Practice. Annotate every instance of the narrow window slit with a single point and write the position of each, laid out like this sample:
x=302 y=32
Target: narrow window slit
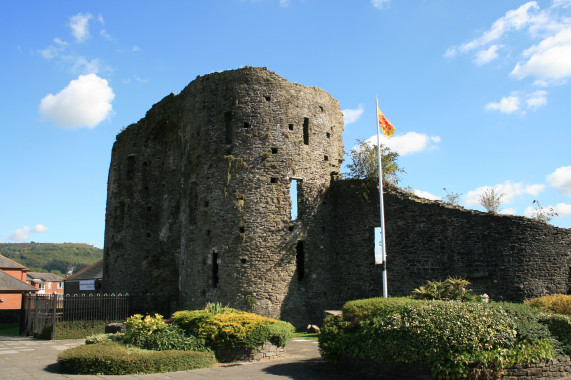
x=306 y=131
x=228 y=127
x=215 y=270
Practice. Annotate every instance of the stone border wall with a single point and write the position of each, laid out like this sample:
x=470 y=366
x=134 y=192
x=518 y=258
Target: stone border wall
x=370 y=369
x=264 y=352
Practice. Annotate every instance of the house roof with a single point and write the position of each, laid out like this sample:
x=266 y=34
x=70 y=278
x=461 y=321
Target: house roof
x=45 y=276
x=8 y=282
x=6 y=263
x=92 y=272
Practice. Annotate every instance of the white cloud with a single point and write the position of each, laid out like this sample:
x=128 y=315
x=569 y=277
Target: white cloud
x=411 y=142
x=508 y=189
x=486 y=55
x=21 y=234
x=507 y=211
x=550 y=60
x=53 y=51
x=79 y=25
x=517 y=100
x=560 y=179
x=514 y=19
x=426 y=195
x=507 y=104
x=562 y=209
x=380 y=4
x=537 y=99
x=80 y=65
x=562 y=3
x=284 y=3
x=352 y=115
x=85 y=102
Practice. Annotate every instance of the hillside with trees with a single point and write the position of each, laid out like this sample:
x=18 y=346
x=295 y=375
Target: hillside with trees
x=54 y=258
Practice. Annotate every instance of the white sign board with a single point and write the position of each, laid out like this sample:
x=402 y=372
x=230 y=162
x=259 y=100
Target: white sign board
x=87 y=285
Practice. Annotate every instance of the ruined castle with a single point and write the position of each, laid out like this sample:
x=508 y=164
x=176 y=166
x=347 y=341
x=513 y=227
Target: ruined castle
x=199 y=204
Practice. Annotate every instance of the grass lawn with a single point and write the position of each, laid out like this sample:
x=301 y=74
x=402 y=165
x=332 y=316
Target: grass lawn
x=9 y=329
x=304 y=335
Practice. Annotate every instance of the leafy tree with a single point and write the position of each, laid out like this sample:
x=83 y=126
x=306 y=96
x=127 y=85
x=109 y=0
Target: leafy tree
x=451 y=198
x=364 y=163
x=543 y=215
x=491 y=200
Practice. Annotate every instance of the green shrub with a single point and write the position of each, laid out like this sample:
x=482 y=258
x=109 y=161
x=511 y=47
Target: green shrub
x=451 y=289
x=558 y=304
x=111 y=358
x=100 y=338
x=171 y=337
x=559 y=327
x=459 y=339
x=356 y=311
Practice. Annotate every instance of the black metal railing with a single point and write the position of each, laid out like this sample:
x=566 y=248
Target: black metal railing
x=42 y=310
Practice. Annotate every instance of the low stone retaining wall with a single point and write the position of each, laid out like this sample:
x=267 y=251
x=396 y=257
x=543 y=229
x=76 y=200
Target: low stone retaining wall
x=553 y=369
x=364 y=368
x=265 y=351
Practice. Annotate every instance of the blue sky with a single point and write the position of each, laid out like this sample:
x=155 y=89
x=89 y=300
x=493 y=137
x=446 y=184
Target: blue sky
x=478 y=91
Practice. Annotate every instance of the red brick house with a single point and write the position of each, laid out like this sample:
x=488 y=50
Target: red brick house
x=46 y=283
x=12 y=286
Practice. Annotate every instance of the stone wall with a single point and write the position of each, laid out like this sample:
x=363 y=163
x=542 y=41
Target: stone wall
x=199 y=205
x=507 y=257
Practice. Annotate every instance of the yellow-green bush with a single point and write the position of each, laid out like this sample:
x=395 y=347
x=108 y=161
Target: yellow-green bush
x=233 y=329
x=557 y=304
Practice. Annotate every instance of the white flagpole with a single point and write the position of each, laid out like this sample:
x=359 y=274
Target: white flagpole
x=383 y=247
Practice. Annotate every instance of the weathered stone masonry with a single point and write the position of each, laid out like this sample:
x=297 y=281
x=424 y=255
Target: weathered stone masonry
x=199 y=204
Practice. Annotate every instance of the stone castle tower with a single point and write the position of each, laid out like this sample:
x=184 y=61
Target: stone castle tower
x=199 y=193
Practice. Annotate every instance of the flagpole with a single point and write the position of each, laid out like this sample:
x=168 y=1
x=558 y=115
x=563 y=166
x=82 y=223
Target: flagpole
x=381 y=202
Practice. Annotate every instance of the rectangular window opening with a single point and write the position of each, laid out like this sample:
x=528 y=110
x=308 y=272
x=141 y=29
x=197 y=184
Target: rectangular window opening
x=300 y=260
x=290 y=126
x=215 y=270
x=294 y=186
x=306 y=130
x=273 y=180
x=228 y=127
x=246 y=125
x=274 y=150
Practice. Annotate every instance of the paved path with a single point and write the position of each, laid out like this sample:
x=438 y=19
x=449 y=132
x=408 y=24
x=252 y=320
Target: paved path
x=29 y=358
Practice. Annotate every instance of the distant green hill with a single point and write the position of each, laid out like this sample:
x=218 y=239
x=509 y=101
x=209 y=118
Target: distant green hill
x=48 y=257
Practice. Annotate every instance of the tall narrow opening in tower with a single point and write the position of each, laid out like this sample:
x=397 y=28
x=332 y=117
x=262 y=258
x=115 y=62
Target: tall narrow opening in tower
x=214 y=269
x=228 y=127
x=306 y=130
x=294 y=197
x=300 y=260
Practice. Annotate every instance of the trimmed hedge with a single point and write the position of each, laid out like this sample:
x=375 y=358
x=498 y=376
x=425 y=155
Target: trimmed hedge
x=458 y=338
x=73 y=330
x=112 y=358
x=230 y=328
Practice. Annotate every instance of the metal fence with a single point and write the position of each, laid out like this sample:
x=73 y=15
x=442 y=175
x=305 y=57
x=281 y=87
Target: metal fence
x=42 y=310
